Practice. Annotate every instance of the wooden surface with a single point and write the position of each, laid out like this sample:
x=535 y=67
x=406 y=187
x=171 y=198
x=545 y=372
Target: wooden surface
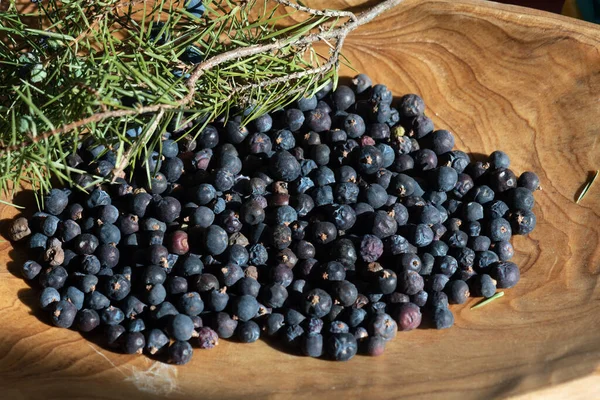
x=547 y=5
x=500 y=77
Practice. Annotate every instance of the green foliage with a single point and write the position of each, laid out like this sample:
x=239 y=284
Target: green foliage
x=86 y=71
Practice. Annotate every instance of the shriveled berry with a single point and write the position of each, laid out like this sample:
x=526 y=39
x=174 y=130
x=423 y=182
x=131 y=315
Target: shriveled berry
x=407 y=316
x=19 y=229
x=410 y=282
x=207 y=338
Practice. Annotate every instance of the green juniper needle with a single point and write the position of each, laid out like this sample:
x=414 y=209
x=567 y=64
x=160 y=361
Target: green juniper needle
x=487 y=301
x=587 y=187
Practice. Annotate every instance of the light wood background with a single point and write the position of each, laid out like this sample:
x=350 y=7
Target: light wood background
x=500 y=77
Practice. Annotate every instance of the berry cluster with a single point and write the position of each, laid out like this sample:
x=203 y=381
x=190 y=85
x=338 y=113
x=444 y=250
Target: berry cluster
x=329 y=225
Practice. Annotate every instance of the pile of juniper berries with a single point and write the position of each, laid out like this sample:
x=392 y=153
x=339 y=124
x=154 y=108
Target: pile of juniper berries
x=329 y=225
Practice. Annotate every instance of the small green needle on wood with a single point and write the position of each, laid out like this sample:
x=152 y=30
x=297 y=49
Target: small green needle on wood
x=487 y=301
x=587 y=187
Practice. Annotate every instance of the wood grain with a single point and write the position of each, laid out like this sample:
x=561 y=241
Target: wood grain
x=520 y=80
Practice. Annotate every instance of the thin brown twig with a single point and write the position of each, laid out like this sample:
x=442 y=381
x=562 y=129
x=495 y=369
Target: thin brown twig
x=199 y=70
x=325 y=13
x=297 y=75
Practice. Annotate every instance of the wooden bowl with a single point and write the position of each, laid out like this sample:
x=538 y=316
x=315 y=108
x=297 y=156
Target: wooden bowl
x=499 y=77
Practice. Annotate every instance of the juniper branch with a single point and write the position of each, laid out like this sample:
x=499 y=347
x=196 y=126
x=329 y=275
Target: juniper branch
x=232 y=55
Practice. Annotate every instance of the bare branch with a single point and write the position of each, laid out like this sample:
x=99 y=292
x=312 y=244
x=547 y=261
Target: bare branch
x=326 y=13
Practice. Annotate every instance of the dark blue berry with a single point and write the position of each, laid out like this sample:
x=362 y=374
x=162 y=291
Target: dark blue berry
x=283 y=140
x=420 y=235
x=117 y=287
x=53 y=277
x=410 y=282
x=74 y=296
x=499 y=229
x=181 y=327
x=346 y=193
x=479 y=243
x=317 y=121
x=38 y=241
x=215 y=240
x=343 y=217
x=87 y=320
x=156 y=341
x=97 y=198
x=443 y=318
x=502 y=180
x=410 y=106
x=384 y=326
x=499 y=159
x=361 y=83
x=495 y=209
x=370 y=160
x=505 y=273
x=180 y=352
x=442 y=141
x=375 y=195
x=482 y=194
x=522 y=221
x=139 y=203
x=342 y=98
x=30 y=269
x=354 y=125
x=112 y=316
x=383 y=225
x=520 y=198
x=444 y=179
x=312 y=345
x=294 y=119
x=457 y=291
x=248 y=332
x=176 y=285
x=483 y=285
x=49 y=296
x=341 y=346
x=96 y=301
x=380 y=94
x=224 y=325
x=284 y=166
x=317 y=303
x=230 y=274
x=56 y=201
x=63 y=313
x=163 y=310
x=473 y=211
x=108 y=233
x=529 y=180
